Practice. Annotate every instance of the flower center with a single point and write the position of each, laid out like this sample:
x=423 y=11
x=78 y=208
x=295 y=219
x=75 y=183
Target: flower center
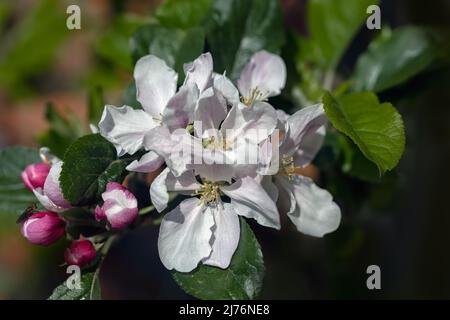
x=287 y=166
x=255 y=94
x=213 y=143
x=209 y=193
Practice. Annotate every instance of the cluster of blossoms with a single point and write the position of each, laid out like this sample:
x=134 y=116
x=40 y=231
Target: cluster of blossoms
x=46 y=227
x=223 y=146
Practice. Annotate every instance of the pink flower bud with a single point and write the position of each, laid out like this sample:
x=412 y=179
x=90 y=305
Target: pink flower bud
x=34 y=175
x=119 y=207
x=43 y=228
x=52 y=189
x=80 y=253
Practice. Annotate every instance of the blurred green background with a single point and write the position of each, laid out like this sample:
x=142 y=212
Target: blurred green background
x=400 y=222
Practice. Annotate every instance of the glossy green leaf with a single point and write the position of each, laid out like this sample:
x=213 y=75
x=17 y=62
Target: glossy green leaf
x=377 y=129
x=89 y=164
x=14 y=197
x=175 y=46
x=332 y=25
x=89 y=289
x=182 y=14
x=237 y=29
x=393 y=60
x=242 y=280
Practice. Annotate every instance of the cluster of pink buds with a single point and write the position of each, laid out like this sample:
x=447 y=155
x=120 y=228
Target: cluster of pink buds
x=46 y=227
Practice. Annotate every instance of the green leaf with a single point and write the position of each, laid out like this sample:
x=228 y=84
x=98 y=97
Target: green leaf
x=62 y=132
x=14 y=197
x=90 y=289
x=242 y=280
x=237 y=29
x=182 y=14
x=332 y=25
x=389 y=62
x=377 y=129
x=89 y=164
x=175 y=46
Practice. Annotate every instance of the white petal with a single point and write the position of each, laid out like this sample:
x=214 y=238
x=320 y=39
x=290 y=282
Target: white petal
x=316 y=214
x=226 y=89
x=225 y=238
x=265 y=72
x=302 y=125
x=249 y=199
x=311 y=144
x=165 y=182
x=209 y=113
x=180 y=109
x=185 y=235
x=149 y=162
x=156 y=83
x=125 y=127
x=254 y=123
x=200 y=71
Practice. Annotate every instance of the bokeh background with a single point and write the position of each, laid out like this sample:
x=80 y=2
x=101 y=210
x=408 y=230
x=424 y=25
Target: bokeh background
x=403 y=224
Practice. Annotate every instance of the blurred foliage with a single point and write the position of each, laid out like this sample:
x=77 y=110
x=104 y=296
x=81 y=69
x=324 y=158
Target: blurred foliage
x=30 y=45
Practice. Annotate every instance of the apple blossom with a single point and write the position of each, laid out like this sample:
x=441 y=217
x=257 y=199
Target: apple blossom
x=80 y=252
x=43 y=228
x=34 y=175
x=119 y=207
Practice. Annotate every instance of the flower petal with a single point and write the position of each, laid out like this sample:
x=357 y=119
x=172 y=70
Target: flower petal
x=199 y=71
x=226 y=89
x=125 y=127
x=149 y=162
x=185 y=235
x=46 y=202
x=120 y=205
x=249 y=199
x=265 y=72
x=209 y=113
x=301 y=125
x=226 y=233
x=156 y=83
x=52 y=188
x=254 y=123
x=165 y=182
x=180 y=109
x=315 y=214
x=311 y=143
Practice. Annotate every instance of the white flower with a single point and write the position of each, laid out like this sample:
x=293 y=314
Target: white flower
x=311 y=209
x=264 y=76
x=206 y=229
x=156 y=86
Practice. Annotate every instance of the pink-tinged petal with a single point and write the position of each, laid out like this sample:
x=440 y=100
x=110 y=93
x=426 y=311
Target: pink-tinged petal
x=180 y=108
x=199 y=71
x=185 y=235
x=100 y=214
x=302 y=125
x=265 y=72
x=120 y=205
x=315 y=213
x=166 y=181
x=156 y=83
x=46 y=202
x=226 y=89
x=226 y=233
x=43 y=228
x=52 y=188
x=125 y=127
x=80 y=253
x=254 y=123
x=250 y=200
x=34 y=175
x=209 y=113
x=149 y=162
